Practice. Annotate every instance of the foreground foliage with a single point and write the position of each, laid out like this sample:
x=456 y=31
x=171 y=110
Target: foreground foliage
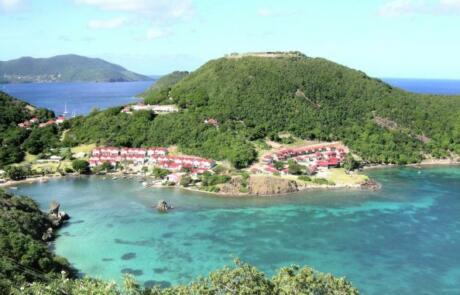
x=242 y=279
x=23 y=256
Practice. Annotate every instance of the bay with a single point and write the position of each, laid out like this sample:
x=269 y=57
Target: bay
x=80 y=98
x=403 y=239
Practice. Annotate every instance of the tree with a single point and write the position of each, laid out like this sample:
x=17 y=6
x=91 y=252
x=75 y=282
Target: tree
x=350 y=163
x=185 y=181
x=295 y=168
x=278 y=165
x=81 y=166
x=17 y=172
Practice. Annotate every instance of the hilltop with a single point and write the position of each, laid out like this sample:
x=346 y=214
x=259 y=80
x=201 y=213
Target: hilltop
x=64 y=68
x=252 y=99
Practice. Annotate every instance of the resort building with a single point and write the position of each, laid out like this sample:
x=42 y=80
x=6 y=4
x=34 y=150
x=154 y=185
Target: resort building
x=312 y=157
x=152 y=156
x=157 y=109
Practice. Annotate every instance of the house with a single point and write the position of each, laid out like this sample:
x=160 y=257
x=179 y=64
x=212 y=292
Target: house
x=60 y=120
x=212 y=122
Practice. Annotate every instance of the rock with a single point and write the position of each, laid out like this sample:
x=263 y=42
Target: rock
x=371 y=185
x=64 y=216
x=163 y=206
x=54 y=207
x=268 y=185
x=48 y=235
x=233 y=187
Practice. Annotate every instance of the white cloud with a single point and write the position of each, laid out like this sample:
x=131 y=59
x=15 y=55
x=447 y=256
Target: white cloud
x=264 y=12
x=107 y=24
x=9 y=5
x=155 y=33
x=155 y=9
x=396 y=8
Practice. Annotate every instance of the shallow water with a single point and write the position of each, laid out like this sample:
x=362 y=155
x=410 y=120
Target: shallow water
x=404 y=239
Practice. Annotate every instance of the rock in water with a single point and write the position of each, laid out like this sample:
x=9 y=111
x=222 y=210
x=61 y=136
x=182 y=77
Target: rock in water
x=54 y=207
x=163 y=206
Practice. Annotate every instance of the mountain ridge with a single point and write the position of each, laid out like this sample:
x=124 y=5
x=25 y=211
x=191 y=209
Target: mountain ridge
x=64 y=68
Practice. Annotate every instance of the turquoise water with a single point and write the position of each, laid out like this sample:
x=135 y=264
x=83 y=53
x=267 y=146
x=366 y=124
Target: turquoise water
x=404 y=239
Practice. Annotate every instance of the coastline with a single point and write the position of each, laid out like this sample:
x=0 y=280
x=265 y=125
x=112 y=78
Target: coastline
x=301 y=188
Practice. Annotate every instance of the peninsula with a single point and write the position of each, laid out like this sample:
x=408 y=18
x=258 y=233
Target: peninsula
x=64 y=68
x=268 y=123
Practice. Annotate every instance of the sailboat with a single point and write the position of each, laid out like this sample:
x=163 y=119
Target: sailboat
x=65 y=111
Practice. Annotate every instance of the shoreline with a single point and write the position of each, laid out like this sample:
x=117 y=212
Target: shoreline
x=301 y=188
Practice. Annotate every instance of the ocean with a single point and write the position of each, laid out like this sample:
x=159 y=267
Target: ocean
x=80 y=98
x=426 y=86
x=403 y=239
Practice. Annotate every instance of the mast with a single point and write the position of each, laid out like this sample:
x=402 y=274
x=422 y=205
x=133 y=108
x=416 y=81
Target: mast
x=65 y=110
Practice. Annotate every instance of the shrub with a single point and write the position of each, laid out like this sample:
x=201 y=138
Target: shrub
x=81 y=166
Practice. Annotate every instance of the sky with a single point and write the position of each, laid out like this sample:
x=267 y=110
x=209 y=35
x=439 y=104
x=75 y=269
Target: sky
x=384 y=38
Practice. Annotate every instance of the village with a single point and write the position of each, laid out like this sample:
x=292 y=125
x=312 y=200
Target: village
x=313 y=157
x=27 y=124
x=152 y=156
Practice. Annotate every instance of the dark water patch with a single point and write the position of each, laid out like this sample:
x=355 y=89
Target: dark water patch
x=167 y=235
x=187 y=244
x=161 y=284
x=128 y=256
x=109 y=225
x=160 y=270
x=134 y=272
x=132 y=243
x=107 y=259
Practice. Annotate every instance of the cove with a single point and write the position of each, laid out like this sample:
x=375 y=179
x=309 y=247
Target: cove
x=403 y=239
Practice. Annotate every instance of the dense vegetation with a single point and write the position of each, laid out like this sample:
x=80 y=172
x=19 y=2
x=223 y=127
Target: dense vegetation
x=14 y=141
x=159 y=91
x=23 y=256
x=28 y=267
x=64 y=68
x=253 y=98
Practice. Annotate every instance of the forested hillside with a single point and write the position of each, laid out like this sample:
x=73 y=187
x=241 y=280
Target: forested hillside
x=159 y=91
x=14 y=140
x=255 y=97
x=64 y=68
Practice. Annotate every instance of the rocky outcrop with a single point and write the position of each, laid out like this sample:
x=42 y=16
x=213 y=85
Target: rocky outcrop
x=233 y=187
x=56 y=218
x=163 y=206
x=268 y=185
x=371 y=185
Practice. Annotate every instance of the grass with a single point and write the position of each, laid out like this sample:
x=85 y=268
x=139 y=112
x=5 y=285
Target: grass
x=340 y=176
x=85 y=148
x=29 y=158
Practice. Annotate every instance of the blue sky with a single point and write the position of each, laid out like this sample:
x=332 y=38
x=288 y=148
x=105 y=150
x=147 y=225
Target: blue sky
x=384 y=38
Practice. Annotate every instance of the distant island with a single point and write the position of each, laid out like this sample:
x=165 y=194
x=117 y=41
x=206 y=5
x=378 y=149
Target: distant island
x=64 y=68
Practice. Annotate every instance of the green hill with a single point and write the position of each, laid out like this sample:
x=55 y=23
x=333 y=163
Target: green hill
x=14 y=140
x=64 y=68
x=255 y=96
x=159 y=91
